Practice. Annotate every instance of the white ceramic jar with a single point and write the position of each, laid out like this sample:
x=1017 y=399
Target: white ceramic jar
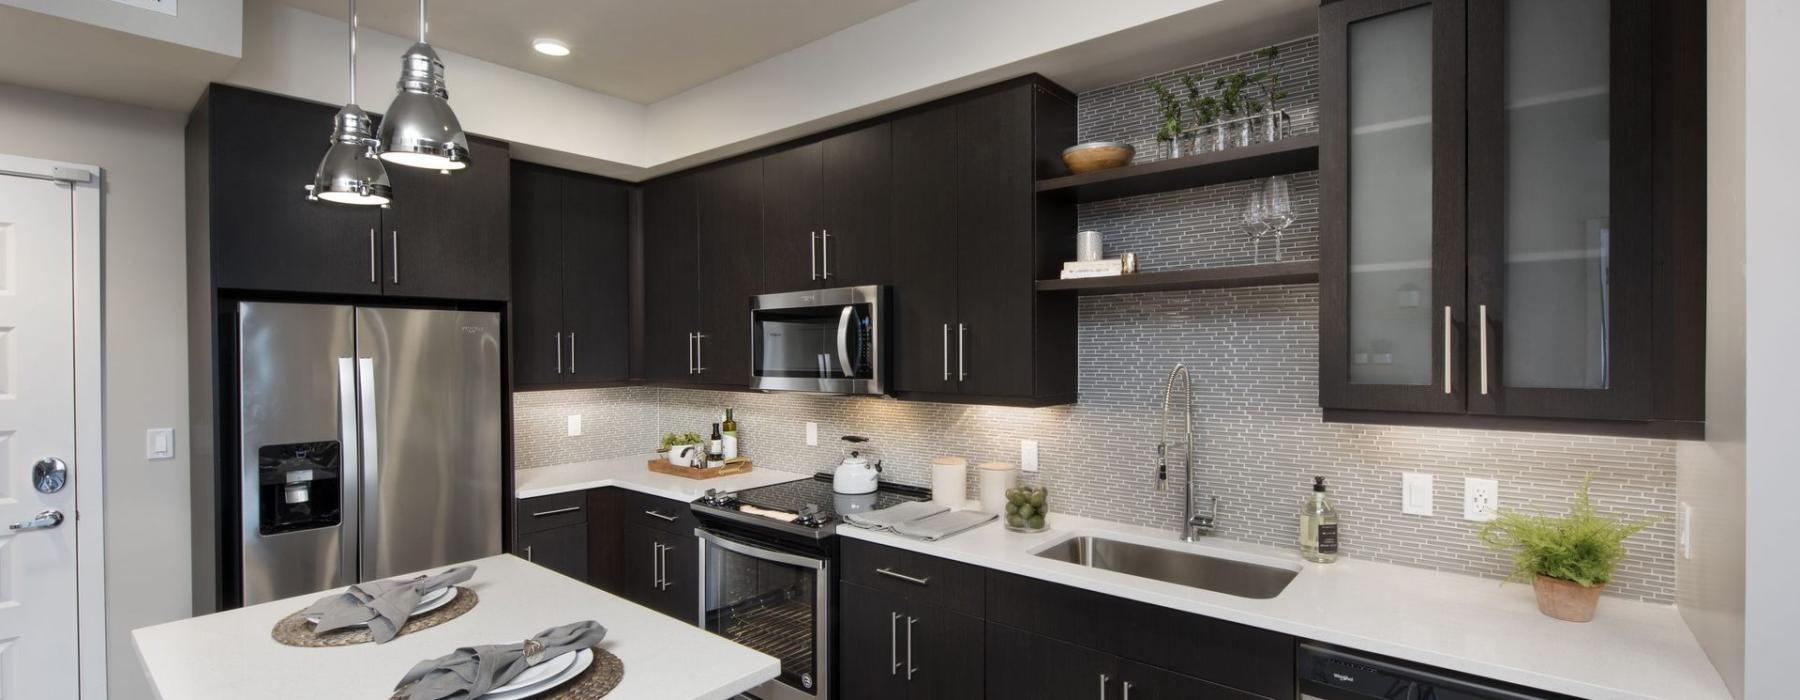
x=996 y=478
x=950 y=482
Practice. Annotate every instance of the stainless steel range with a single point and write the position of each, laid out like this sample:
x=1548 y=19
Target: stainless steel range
x=767 y=555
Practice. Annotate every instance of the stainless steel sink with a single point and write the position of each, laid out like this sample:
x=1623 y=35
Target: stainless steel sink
x=1226 y=576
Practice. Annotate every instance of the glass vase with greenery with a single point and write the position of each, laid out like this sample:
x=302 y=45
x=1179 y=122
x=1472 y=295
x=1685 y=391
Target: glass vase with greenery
x=1568 y=558
x=1168 y=130
x=1205 y=111
x=1268 y=84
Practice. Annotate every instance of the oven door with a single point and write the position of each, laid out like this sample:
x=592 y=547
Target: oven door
x=775 y=602
x=826 y=341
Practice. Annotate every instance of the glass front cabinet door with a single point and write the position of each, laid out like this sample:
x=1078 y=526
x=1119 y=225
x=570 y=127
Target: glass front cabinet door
x=1509 y=212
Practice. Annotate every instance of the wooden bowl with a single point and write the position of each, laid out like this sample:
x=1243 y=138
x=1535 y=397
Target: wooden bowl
x=1097 y=155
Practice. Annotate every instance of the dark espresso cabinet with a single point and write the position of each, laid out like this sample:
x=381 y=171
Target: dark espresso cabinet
x=671 y=293
x=971 y=236
x=570 y=285
x=826 y=219
x=897 y=647
x=443 y=236
x=703 y=250
x=1512 y=214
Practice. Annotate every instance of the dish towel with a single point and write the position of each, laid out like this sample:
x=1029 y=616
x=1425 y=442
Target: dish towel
x=382 y=605
x=942 y=525
x=471 y=672
x=887 y=518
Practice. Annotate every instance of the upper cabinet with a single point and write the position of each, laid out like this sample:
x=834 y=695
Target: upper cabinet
x=826 y=217
x=443 y=237
x=703 y=260
x=571 y=291
x=1510 y=227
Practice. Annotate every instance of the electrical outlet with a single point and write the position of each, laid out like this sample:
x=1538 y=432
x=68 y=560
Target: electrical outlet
x=1684 y=531
x=812 y=434
x=1028 y=455
x=1481 y=499
x=1416 y=494
x=575 y=425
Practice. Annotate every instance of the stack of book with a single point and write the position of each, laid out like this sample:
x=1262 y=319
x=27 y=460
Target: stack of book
x=1111 y=267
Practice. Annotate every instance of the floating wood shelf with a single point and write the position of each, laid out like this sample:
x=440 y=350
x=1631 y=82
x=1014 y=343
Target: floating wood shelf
x=1294 y=154
x=1205 y=278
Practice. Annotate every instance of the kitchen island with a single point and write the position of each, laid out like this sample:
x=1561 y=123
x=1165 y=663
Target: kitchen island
x=231 y=654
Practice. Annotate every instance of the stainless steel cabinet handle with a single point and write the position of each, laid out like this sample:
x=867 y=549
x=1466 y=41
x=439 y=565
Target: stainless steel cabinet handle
x=825 y=254
x=373 y=269
x=946 y=352
x=44 y=520
x=1127 y=695
x=666 y=583
x=1446 y=349
x=558 y=511
x=894 y=644
x=571 y=352
x=396 y=256
x=910 y=668
x=1484 y=351
x=890 y=573
x=699 y=353
x=1103 y=680
x=690 y=353
x=814 y=241
x=558 y=344
x=660 y=516
x=527 y=552
x=656 y=565
x=962 y=371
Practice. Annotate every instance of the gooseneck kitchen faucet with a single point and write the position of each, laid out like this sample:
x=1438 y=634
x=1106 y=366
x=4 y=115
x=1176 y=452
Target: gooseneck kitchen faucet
x=1192 y=526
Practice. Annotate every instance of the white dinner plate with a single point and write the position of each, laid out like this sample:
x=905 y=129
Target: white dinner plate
x=432 y=601
x=515 y=690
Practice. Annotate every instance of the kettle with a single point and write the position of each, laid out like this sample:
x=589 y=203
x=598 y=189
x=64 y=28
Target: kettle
x=856 y=474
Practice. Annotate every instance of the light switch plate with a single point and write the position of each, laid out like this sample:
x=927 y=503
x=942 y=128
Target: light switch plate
x=1415 y=494
x=574 y=425
x=159 y=443
x=1028 y=455
x=1684 y=531
x=1481 y=499
x=812 y=434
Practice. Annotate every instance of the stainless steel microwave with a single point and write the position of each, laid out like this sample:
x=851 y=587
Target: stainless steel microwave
x=823 y=340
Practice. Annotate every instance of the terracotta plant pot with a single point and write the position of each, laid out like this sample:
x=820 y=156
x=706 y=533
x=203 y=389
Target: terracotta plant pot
x=1566 y=600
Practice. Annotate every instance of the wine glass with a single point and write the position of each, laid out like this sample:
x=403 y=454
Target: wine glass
x=1278 y=208
x=1251 y=222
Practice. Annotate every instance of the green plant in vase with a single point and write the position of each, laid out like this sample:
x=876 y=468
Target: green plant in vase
x=1568 y=558
x=1268 y=83
x=1205 y=111
x=1168 y=129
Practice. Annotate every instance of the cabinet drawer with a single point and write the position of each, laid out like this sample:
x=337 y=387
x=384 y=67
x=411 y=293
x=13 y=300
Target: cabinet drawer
x=671 y=516
x=947 y=584
x=545 y=512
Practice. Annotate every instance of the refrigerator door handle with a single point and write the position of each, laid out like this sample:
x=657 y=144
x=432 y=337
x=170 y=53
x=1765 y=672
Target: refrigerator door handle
x=371 y=466
x=352 y=461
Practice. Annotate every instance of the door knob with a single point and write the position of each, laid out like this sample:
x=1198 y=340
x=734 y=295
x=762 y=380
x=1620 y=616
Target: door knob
x=42 y=521
x=49 y=475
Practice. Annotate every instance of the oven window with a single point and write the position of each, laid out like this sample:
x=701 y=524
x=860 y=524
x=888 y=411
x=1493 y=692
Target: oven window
x=803 y=343
x=767 y=606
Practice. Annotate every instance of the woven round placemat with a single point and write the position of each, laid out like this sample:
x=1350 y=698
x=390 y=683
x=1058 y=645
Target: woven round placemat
x=592 y=684
x=296 y=631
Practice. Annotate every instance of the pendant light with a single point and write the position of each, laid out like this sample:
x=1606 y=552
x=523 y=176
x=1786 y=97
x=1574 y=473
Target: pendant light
x=419 y=130
x=350 y=172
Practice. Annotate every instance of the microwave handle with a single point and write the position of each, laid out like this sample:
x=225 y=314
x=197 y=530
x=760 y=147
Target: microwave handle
x=844 y=340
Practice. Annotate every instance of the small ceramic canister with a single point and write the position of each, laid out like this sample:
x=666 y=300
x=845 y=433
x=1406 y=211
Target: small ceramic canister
x=996 y=478
x=950 y=482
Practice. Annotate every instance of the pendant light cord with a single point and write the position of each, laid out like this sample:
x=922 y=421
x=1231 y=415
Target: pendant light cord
x=352 y=52
x=421 y=21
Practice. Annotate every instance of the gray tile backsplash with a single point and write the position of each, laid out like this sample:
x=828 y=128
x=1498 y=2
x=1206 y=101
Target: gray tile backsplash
x=1254 y=357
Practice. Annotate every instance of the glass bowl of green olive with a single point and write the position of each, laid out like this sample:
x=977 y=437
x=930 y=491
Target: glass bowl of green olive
x=1026 y=508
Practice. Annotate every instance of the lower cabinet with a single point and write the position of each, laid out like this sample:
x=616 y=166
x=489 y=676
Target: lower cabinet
x=662 y=571
x=560 y=549
x=1025 y=666
x=895 y=647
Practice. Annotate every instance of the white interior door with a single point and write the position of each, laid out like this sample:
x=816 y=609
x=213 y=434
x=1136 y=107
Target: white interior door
x=38 y=652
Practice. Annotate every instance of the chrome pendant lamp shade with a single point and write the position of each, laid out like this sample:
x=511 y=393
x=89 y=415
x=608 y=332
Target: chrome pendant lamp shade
x=419 y=129
x=350 y=172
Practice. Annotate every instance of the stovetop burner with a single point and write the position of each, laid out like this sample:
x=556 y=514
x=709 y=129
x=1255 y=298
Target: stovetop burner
x=805 y=506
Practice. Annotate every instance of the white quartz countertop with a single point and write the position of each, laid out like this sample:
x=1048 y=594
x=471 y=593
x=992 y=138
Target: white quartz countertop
x=1463 y=623
x=631 y=473
x=230 y=655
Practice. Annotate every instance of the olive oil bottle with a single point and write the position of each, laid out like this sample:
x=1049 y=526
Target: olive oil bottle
x=1318 y=525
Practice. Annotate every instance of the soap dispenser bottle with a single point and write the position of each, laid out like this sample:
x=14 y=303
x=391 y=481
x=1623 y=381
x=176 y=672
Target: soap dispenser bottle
x=1318 y=525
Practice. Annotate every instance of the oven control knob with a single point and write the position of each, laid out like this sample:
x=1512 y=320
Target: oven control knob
x=810 y=516
x=715 y=497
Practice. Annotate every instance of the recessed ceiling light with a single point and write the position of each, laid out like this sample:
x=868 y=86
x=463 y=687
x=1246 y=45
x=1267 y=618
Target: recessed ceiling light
x=550 y=47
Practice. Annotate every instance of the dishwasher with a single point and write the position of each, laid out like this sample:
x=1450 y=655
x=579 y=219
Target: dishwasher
x=1326 y=672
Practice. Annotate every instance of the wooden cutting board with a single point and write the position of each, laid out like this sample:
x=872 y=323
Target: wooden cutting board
x=663 y=466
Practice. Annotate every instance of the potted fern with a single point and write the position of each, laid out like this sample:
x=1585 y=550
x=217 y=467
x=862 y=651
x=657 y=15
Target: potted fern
x=1568 y=558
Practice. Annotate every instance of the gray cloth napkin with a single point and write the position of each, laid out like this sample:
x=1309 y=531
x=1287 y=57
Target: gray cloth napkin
x=942 y=525
x=887 y=518
x=382 y=605
x=471 y=672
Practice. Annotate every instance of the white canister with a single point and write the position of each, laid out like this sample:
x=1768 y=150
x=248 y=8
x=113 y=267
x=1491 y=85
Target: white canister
x=950 y=482
x=1087 y=246
x=996 y=478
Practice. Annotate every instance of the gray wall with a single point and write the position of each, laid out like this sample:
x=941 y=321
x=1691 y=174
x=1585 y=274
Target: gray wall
x=1254 y=354
x=140 y=151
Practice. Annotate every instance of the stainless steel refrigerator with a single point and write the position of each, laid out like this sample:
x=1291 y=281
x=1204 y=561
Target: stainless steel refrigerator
x=369 y=443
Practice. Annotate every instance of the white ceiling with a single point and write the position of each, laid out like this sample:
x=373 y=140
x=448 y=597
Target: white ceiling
x=639 y=50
